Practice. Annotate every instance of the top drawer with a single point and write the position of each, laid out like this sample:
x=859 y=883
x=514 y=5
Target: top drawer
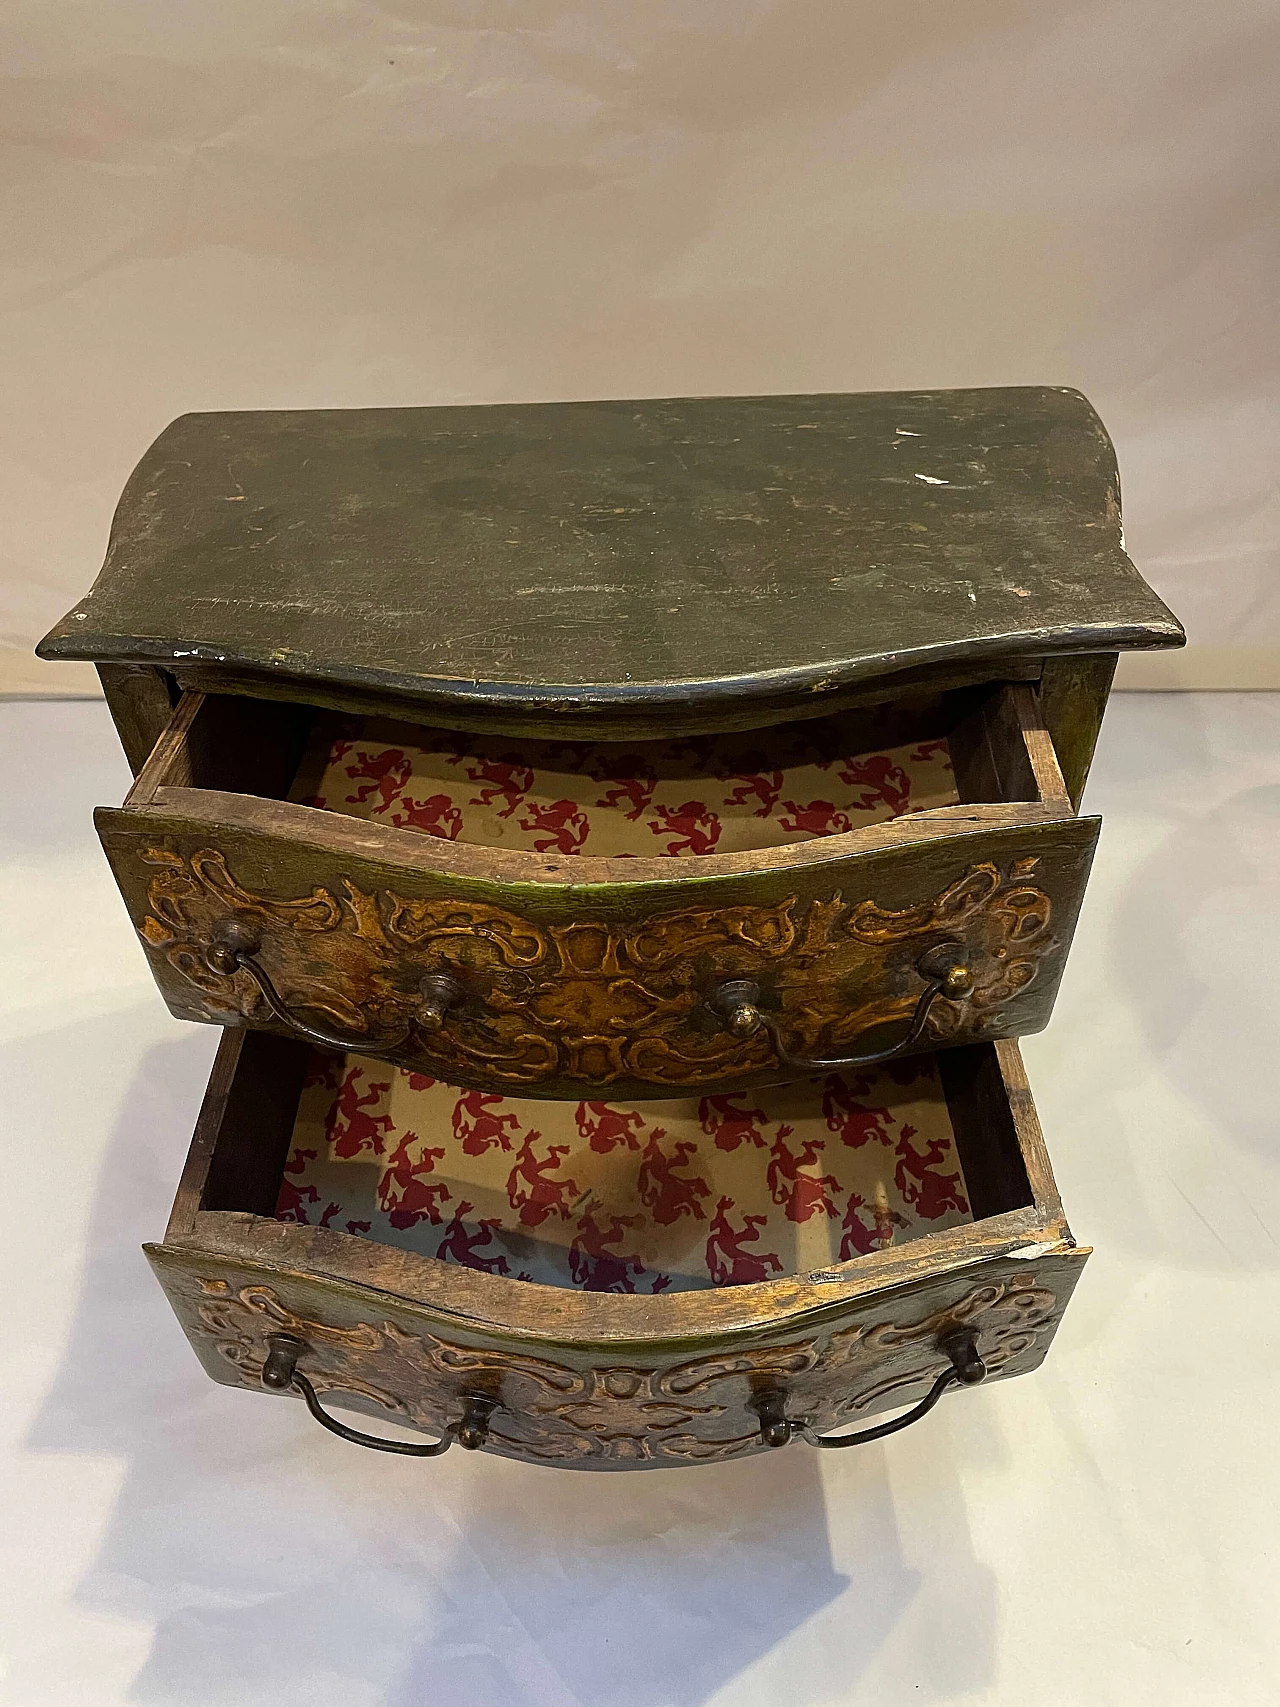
x=567 y=918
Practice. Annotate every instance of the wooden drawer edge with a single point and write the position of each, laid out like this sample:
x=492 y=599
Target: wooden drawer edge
x=196 y=809
x=521 y=1311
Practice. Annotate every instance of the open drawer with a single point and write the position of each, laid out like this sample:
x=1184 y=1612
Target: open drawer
x=563 y=918
x=664 y=1284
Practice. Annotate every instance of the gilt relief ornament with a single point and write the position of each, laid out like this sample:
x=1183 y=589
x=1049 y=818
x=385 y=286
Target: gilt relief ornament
x=597 y=1001
x=696 y=1411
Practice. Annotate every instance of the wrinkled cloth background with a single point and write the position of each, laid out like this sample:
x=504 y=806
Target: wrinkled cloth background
x=264 y=203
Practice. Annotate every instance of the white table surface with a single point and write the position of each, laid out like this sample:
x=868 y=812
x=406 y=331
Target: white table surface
x=1104 y=1531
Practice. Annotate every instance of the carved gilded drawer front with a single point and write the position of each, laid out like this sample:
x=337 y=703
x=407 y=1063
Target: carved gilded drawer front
x=412 y=892
x=564 y=989
x=555 y=1404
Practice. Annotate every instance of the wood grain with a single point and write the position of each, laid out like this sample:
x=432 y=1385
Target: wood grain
x=235 y=746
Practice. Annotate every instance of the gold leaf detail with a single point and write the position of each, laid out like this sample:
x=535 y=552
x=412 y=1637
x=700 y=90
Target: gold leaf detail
x=696 y=1411
x=594 y=1003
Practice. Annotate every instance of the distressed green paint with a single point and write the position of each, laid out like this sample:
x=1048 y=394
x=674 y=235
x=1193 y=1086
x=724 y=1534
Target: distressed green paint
x=286 y=863
x=572 y=557
x=1073 y=698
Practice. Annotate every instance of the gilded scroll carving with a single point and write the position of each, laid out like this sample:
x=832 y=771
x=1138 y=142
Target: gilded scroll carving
x=424 y=924
x=1005 y=919
x=695 y=1411
x=594 y=1000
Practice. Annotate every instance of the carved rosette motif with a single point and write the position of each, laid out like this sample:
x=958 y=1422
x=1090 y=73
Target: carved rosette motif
x=595 y=1001
x=620 y=1416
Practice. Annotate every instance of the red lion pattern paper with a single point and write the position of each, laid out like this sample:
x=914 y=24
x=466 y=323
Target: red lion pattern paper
x=609 y=1197
x=704 y=795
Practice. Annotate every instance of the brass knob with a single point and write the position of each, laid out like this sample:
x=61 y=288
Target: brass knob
x=947 y=965
x=439 y=992
x=735 y=1002
x=230 y=939
x=473 y=1431
x=283 y=1352
x=776 y=1428
x=961 y=1346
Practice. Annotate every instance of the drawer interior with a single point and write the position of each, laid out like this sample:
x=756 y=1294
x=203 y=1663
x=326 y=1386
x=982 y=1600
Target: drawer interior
x=714 y=794
x=659 y=1196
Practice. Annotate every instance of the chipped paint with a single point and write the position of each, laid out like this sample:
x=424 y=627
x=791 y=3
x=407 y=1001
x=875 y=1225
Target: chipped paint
x=741 y=558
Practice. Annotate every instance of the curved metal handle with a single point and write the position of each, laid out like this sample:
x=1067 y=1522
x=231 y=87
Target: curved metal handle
x=280 y=1372
x=945 y=969
x=233 y=947
x=967 y=1369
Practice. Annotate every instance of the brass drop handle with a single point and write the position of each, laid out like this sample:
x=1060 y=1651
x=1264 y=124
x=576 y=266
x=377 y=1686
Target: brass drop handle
x=945 y=969
x=966 y=1369
x=280 y=1372
x=234 y=946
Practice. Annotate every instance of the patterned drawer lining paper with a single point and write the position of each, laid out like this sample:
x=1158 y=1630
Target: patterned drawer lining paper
x=711 y=794
x=695 y=1192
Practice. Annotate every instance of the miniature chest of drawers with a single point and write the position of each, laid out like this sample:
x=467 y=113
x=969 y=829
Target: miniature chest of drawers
x=622 y=843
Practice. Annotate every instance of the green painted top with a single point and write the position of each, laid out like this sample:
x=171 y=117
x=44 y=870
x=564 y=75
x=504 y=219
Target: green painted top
x=601 y=555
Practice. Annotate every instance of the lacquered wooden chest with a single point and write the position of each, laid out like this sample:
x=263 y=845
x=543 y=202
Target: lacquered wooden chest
x=622 y=843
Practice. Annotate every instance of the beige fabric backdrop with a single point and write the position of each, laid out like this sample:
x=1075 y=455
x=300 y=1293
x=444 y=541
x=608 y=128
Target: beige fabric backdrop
x=257 y=203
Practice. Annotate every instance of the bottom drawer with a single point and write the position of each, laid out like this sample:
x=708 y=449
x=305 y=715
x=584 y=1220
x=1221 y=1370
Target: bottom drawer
x=601 y=1286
